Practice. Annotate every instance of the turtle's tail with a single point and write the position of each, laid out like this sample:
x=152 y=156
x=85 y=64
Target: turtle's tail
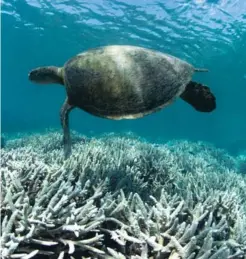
x=46 y=75
x=201 y=70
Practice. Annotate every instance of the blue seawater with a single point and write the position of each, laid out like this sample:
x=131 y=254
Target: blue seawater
x=207 y=33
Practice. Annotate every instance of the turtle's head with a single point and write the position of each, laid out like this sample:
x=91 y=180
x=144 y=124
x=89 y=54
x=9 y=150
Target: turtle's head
x=46 y=75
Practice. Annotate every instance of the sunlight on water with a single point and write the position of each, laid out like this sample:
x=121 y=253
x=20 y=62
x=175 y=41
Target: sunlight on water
x=188 y=28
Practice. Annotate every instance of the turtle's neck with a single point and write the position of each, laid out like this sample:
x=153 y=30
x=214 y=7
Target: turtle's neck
x=55 y=74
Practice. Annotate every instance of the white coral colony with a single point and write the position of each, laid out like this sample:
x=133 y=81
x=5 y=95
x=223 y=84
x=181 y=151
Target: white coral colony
x=178 y=200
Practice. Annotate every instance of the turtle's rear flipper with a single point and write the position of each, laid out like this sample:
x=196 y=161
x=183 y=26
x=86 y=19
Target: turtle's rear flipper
x=64 y=117
x=199 y=96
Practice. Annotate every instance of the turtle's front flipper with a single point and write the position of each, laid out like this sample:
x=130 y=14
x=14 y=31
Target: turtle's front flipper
x=64 y=117
x=199 y=96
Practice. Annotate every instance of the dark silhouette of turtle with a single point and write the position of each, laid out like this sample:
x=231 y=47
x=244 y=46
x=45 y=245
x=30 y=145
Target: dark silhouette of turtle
x=123 y=82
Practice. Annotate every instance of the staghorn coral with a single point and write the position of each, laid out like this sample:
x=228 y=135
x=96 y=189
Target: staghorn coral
x=102 y=202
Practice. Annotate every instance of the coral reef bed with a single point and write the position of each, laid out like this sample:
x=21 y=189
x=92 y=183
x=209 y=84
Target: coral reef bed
x=120 y=197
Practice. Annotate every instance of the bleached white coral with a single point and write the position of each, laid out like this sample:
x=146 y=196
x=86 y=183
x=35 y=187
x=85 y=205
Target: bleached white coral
x=102 y=201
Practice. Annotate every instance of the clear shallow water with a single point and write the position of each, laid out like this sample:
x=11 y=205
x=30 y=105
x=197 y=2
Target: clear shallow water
x=209 y=34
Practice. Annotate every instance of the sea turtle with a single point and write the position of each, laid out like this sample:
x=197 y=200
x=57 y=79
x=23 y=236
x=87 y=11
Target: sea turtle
x=123 y=82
